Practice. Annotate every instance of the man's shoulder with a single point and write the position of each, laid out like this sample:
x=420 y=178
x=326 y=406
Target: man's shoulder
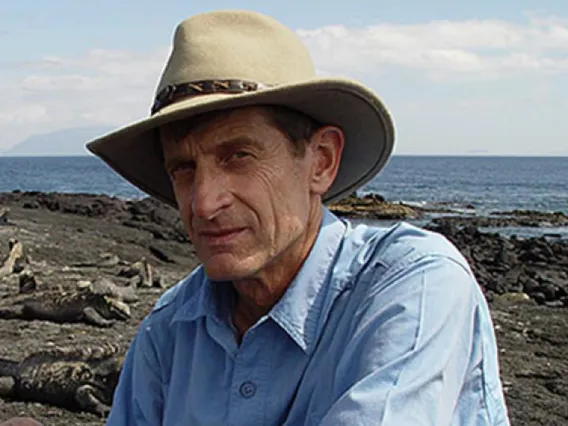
x=406 y=264
x=400 y=245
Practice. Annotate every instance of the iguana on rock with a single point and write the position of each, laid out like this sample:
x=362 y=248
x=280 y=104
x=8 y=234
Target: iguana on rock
x=108 y=288
x=78 y=305
x=72 y=378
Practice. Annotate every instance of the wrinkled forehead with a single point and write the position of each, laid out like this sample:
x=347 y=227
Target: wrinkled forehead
x=214 y=122
x=216 y=131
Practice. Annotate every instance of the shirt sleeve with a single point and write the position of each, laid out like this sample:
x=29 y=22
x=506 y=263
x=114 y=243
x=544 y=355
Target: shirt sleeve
x=138 y=399
x=408 y=355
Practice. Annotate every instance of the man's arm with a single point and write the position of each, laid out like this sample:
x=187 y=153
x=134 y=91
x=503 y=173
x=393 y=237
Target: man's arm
x=410 y=352
x=138 y=397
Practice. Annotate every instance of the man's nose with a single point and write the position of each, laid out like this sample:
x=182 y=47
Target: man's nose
x=210 y=193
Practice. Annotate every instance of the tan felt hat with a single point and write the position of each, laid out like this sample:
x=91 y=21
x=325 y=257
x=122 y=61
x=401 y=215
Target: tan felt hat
x=234 y=58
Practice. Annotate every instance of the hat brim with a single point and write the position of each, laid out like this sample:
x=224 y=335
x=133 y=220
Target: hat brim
x=367 y=125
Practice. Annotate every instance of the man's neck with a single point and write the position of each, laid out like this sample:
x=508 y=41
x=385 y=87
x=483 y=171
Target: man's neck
x=257 y=296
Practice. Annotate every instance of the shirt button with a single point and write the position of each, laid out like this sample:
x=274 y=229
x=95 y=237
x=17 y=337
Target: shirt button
x=247 y=389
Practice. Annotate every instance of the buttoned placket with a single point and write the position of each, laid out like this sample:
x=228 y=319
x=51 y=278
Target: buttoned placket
x=250 y=377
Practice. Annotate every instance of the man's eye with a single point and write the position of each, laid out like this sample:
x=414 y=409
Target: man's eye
x=241 y=154
x=237 y=155
x=181 y=168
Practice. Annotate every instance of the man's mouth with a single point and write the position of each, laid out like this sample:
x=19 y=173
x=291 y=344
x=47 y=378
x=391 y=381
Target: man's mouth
x=220 y=236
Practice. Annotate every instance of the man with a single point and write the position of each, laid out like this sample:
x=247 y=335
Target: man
x=294 y=317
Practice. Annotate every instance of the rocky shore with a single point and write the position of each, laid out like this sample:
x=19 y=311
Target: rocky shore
x=375 y=207
x=132 y=250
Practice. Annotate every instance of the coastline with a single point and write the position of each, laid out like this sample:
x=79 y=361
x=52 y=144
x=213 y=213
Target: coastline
x=376 y=209
x=69 y=238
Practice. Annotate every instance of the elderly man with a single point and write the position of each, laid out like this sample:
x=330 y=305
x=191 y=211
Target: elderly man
x=294 y=317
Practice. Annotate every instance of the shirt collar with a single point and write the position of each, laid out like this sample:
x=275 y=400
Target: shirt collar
x=206 y=298
x=303 y=308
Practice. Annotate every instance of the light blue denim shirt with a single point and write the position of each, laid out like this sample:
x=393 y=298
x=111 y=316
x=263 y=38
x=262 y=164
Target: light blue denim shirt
x=379 y=327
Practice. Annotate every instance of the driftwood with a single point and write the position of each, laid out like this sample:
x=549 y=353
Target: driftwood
x=141 y=274
x=13 y=261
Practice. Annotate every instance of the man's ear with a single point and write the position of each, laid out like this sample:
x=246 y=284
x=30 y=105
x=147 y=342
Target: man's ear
x=327 y=146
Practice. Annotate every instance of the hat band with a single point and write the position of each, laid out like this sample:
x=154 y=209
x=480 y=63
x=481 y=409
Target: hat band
x=175 y=92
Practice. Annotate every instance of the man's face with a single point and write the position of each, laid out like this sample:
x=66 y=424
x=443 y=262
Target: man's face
x=243 y=196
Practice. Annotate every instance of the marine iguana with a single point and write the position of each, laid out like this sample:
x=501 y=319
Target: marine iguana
x=78 y=305
x=73 y=378
x=105 y=286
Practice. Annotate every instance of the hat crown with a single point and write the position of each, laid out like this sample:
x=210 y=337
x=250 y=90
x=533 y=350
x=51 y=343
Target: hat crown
x=240 y=45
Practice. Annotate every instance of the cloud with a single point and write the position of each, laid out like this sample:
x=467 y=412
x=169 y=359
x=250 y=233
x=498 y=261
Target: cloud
x=113 y=87
x=99 y=87
x=469 y=49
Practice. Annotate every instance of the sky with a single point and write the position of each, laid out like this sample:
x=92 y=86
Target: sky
x=460 y=78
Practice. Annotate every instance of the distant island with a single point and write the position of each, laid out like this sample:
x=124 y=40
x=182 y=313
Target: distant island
x=63 y=142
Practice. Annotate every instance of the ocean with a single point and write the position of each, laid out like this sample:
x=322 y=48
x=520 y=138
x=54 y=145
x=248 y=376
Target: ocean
x=488 y=183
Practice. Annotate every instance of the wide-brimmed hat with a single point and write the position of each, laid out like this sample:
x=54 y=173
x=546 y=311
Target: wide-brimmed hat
x=233 y=58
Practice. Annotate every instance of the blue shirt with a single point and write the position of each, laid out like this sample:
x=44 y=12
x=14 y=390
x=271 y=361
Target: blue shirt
x=379 y=327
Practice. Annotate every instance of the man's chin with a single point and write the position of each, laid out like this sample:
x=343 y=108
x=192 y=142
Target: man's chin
x=227 y=271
